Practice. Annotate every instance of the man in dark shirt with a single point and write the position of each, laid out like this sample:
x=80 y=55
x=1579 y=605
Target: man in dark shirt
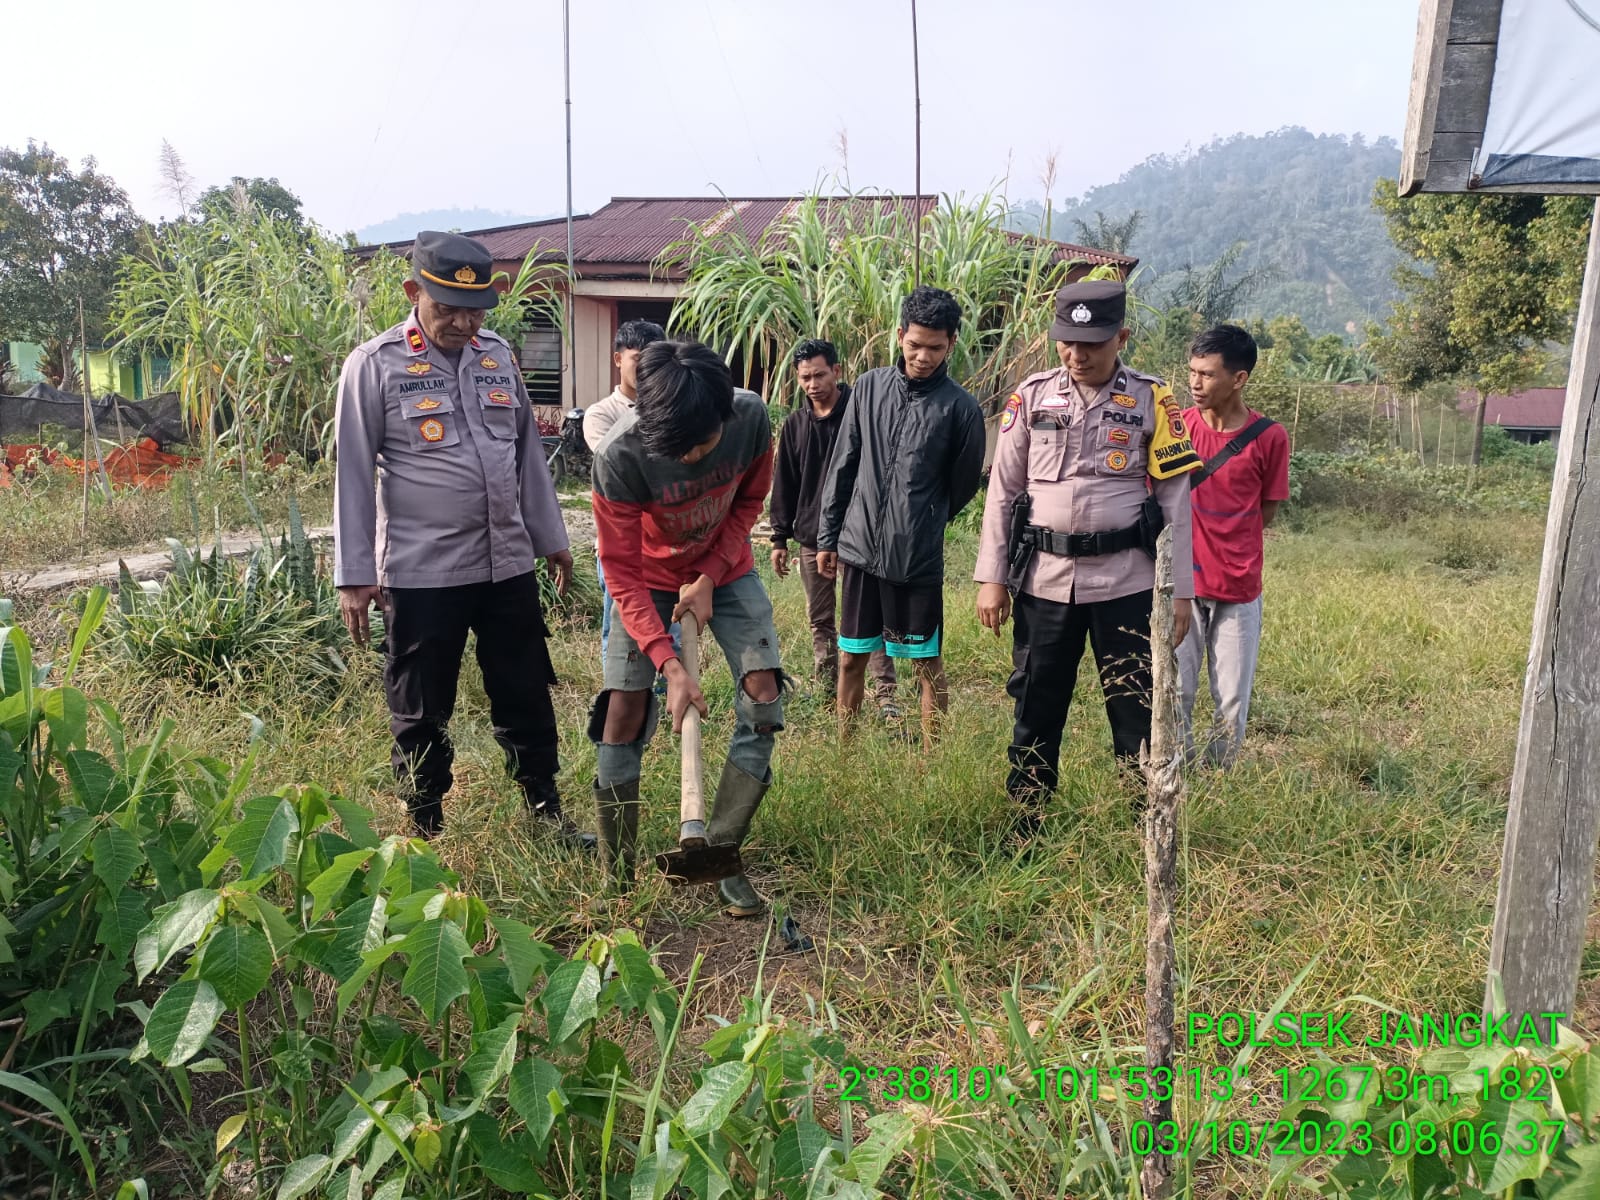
x=909 y=459
x=805 y=446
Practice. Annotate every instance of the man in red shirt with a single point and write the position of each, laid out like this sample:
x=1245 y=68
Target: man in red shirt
x=1235 y=497
x=678 y=484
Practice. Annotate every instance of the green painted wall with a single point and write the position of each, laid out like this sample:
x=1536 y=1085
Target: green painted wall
x=106 y=372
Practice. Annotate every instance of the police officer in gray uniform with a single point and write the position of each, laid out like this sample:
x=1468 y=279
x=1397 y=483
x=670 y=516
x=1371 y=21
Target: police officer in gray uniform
x=1090 y=463
x=443 y=504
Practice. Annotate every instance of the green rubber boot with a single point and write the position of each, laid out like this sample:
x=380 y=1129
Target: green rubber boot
x=617 y=814
x=733 y=811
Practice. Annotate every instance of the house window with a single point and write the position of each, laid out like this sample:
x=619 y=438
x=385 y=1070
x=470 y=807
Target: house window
x=541 y=361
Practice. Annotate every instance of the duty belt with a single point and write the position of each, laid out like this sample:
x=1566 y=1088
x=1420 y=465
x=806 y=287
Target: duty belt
x=1083 y=545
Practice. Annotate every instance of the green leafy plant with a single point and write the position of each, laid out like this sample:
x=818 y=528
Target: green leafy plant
x=392 y=1036
x=94 y=840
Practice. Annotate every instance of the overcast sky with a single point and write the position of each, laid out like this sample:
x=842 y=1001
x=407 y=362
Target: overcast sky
x=367 y=109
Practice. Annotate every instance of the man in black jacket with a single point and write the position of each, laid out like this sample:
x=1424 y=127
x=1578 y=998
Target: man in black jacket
x=805 y=447
x=909 y=459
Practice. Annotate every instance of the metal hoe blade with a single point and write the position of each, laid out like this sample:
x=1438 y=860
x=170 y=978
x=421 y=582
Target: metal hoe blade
x=700 y=864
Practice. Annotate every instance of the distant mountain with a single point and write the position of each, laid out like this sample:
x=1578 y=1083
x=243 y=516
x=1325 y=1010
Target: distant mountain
x=1301 y=202
x=450 y=220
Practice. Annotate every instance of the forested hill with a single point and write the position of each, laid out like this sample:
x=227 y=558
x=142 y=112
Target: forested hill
x=1301 y=202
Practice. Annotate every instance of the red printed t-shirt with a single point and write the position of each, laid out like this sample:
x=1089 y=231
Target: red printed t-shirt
x=661 y=524
x=1226 y=508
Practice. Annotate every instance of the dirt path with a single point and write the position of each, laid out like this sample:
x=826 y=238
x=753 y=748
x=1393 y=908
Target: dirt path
x=155 y=564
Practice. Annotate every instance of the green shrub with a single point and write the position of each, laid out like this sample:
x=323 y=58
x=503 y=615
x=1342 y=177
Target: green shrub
x=93 y=842
x=1393 y=487
x=214 y=620
x=1500 y=447
x=1465 y=545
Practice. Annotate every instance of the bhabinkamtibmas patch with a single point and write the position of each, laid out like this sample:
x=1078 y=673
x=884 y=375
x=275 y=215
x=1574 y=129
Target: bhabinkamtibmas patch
x=1171 y=452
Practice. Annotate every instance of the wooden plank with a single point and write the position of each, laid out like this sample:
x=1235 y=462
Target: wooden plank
x=1547 y=870
x=1455 y=146
x=1464 y=89
x=1427 y=65
x=1449 y=176
x=1475 y=21
x=1161 y=760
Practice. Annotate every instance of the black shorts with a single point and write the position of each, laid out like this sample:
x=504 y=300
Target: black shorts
x=903 y=619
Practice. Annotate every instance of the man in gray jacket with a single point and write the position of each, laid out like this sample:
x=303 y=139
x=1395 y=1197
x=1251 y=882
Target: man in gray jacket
x=908 y=460
x=442 y=507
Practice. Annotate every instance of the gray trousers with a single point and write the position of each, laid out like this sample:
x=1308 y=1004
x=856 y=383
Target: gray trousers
x=1227 y=639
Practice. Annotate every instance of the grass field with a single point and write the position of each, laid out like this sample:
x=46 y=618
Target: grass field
x=1361 y=832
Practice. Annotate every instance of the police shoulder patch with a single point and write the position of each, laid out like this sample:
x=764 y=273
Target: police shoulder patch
x=1171 y=452
x=1013 y=407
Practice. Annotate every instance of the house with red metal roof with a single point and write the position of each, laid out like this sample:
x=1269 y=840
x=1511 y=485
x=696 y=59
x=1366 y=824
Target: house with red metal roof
x=616 y=252
x=1532 y=416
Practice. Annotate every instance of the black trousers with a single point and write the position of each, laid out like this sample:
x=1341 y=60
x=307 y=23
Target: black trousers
x=426 y=637
x=1048 y=644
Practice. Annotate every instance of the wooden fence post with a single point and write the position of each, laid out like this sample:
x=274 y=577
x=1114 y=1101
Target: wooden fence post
x=1162 y=761
x=1547 y=870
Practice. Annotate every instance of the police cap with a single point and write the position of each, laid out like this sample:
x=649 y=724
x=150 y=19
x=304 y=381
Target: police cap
x=1091 y=311
x=454 y=270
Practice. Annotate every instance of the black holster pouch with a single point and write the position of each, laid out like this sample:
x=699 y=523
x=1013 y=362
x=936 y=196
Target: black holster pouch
x=1020 y=547
x=1151 y=521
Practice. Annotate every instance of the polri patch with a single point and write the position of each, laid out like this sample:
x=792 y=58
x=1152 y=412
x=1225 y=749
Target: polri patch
x=1116 y=460
x=419 y=368
x=1125 y=401
x=501 y=398
x=432 y=430
x=488 y=364
x=1120 y=436
x=1013 y=407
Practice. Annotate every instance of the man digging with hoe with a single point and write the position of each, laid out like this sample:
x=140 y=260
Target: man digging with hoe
x=678 y=485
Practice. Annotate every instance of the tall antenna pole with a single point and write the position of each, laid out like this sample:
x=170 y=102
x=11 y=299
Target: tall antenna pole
x=566 y=309
x=916 y=87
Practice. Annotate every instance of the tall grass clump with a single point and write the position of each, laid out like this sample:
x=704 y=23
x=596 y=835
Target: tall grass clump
x=257 y=315
x=216 y=620
x=839 y=270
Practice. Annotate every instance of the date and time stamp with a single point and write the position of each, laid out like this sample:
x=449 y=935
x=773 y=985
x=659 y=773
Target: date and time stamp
x=1336 y=1088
